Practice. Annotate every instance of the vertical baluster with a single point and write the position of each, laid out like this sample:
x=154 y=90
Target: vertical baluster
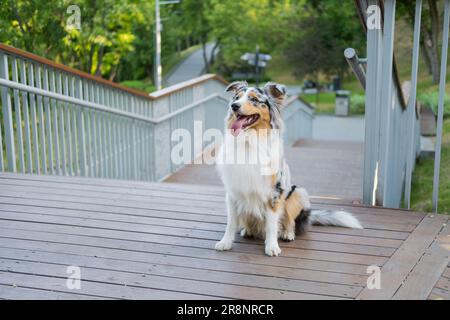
x=104 y=133
x=88 y=133
x=54 y=112
x=442 y=80
x=126 y=140
x=81 y=134
x=111 y=136
x=41 y=121
x=68 y=132
x=34 y=129
x=74 y=122
x=98 y=118
x=26 y=119
x=108 y=135
x=48 y=122
x=61 y=127
x=7 y=115
x=94 y=160
x=114 y=135
x=411 y=157
x=15 y=77
x=119 y=139
x=387 y=101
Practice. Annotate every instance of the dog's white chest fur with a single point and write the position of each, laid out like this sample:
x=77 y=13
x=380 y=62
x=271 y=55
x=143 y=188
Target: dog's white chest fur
x=248 y=182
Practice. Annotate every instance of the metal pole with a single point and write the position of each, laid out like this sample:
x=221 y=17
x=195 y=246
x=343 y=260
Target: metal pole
x=355 y=63
x=437 y=154
x=158 y=67
x=412 y=102
x=256 y=66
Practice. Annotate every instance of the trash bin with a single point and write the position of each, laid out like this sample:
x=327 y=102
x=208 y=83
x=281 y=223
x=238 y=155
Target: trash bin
x=342 y=103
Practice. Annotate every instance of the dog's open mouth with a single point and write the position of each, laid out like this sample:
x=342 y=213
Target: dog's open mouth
x=243 y=122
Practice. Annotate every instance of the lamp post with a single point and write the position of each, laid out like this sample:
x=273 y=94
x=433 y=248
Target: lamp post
x=158 y=67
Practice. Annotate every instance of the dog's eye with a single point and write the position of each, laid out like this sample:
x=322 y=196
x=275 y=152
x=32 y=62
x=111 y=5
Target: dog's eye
x=253 y=99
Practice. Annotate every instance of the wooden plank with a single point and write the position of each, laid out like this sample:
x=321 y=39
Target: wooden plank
x=394 y=272
x=148 y=286
x=172 y=190
x=233 y=262
x=21 y=293
x=421 y=280
x=158 y=218
x=57 y=282
x=170 y=205
x=177 y=228
x=138 y=195
x=439 y=294
x=143 y=269
x=211 y=236
x=308 y=263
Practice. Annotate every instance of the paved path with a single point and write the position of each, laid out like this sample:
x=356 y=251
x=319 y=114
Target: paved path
x=193 y=66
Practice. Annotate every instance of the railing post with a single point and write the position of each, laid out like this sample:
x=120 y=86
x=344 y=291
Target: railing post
x=80 y=131
x=7 y=117
x=437 y=154
x=412 y=102
x=372 y=114
x=387 y=102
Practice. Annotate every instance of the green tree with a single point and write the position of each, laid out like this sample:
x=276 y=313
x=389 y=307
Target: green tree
x=321 y=31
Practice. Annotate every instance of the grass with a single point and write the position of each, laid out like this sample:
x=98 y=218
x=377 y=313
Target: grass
x=143 y=85
x=422 y=185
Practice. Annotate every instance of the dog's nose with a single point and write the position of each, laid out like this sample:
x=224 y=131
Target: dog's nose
x=235 y=107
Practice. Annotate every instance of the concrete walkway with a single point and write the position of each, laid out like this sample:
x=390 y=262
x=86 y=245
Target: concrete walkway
x=193 y=66
x=328 y=127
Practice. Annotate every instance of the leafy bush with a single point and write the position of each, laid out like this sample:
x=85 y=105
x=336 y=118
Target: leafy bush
x=431 y=99
x=357 y=104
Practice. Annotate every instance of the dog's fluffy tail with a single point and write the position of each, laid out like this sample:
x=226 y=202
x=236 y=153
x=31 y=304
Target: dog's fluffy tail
x=334 y=218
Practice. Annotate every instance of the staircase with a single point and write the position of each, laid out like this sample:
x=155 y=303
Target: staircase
x=325 y=168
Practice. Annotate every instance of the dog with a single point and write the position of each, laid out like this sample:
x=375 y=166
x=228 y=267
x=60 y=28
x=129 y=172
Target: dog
x=260 y=198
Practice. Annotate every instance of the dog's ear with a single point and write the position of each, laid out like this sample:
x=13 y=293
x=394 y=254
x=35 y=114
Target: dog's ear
x=237 y=86
x=276 y=91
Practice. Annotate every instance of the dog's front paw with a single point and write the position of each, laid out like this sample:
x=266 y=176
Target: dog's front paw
x=272 y=250
x=224 y=245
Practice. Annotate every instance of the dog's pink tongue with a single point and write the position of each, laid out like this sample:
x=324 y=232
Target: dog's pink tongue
x=237 y=125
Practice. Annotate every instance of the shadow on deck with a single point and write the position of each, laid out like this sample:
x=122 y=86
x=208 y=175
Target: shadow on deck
x=136 y=240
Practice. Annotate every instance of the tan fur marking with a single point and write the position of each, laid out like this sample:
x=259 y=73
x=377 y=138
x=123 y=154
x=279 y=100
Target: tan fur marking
x=292 y=209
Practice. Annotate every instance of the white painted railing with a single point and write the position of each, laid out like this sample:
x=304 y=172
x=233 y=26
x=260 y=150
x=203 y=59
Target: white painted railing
x=392 y=121
x=57 y=120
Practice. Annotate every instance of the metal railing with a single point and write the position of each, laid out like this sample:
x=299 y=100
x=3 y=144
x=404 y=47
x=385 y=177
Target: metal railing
x=392 y=138
x=58 y=120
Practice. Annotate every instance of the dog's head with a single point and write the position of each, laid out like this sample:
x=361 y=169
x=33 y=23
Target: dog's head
x=257 y=108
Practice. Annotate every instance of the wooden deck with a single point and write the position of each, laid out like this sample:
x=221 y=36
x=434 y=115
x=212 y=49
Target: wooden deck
x=155 y=241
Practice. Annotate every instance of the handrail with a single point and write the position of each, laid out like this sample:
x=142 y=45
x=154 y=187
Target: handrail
x=103 y=108
x=355 y=63
x=87 y=76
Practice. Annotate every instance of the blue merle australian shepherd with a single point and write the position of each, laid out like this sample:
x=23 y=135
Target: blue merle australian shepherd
x=263 y=203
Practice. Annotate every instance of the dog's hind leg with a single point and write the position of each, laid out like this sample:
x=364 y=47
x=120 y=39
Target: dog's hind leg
x=232 y=225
